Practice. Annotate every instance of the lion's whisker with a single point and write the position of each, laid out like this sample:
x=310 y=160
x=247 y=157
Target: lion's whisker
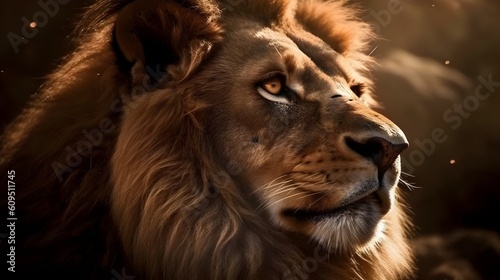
x=287 y=188
x=410 y=186
x=314 y=202
x=271 y=184
x=277 y=50
x=279 y=184
x=407 y=174
x=288 y=197
x=374 y=49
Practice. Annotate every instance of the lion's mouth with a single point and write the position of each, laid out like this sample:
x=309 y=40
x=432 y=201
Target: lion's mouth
x=317 y=215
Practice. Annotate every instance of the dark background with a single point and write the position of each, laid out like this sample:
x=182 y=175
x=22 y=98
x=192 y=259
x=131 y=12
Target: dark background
x=431 y=56
x=431 y=59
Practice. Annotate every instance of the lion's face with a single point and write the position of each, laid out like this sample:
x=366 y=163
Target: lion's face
x=290 y=124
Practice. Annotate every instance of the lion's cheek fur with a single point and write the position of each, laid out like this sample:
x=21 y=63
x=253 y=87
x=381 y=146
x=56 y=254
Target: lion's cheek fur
x=168 y=219
x=147 y=172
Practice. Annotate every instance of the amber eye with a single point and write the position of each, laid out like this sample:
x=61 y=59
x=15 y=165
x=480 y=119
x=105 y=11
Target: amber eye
x=273 y=86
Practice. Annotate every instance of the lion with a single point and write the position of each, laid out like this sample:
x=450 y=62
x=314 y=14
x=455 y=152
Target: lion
x=204 y=139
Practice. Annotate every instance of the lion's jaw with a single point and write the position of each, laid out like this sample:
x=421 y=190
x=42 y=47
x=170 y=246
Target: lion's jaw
x=342 y=218
x=298 y=160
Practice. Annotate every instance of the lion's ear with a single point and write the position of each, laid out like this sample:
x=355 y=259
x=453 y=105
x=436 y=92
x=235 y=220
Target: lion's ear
x=172 y=35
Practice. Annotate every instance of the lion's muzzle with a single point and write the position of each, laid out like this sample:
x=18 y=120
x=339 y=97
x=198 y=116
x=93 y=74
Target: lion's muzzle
x=365 y=132
x=380 y=151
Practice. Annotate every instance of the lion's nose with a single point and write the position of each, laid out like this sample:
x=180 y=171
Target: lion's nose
x=379 y=150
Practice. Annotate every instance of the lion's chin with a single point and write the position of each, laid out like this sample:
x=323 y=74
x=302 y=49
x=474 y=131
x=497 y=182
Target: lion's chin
x=341 y=230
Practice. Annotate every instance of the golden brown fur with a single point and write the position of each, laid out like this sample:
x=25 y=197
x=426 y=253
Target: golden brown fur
x=190 y=173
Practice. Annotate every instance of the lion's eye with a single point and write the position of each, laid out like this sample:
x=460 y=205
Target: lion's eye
x=273 y=86
x=274 y=89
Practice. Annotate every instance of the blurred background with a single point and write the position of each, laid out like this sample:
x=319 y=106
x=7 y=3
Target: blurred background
x=438 y=78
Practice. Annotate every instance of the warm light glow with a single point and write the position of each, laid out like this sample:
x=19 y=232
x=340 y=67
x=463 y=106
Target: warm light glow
x=452 y=161
x=33 y=24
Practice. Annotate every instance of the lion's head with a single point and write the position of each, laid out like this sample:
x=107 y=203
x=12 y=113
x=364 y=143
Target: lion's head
x=241 y=141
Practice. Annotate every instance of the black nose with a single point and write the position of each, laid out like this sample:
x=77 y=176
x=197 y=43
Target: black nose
x=382 y=152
